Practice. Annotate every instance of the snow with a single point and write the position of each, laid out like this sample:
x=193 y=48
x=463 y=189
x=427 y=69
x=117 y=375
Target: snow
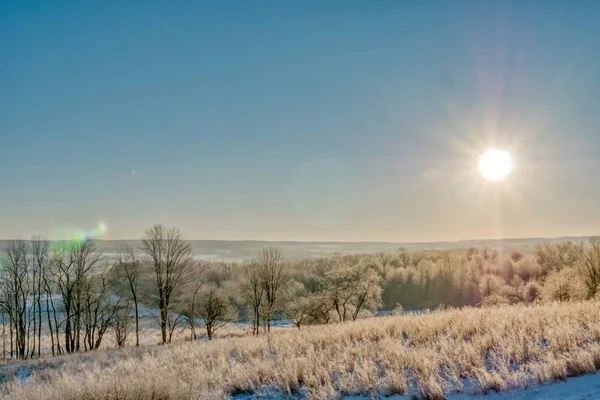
x=579 y=388
x=23 y=375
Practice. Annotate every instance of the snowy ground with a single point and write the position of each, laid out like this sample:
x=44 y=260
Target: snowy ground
x=579 y=388
x=583 y=387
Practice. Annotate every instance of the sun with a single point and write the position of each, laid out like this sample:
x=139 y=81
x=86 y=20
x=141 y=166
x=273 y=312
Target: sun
x=495 y=165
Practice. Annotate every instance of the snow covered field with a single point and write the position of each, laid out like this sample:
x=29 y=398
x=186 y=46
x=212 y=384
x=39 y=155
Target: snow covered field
x=579 y=388
x=454 y=354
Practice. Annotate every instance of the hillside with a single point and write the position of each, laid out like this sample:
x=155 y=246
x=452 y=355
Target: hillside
x=469 y=351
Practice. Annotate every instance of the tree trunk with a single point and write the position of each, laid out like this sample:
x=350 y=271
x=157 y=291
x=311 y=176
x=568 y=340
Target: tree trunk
x=50 y=324
x=68 y=339
x=209 y=331
x=58 y=348
x=39 y=298
x=137 y=323
x=163 y=323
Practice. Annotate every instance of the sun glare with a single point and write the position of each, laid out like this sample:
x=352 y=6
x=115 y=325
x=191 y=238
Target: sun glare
x=495 y=165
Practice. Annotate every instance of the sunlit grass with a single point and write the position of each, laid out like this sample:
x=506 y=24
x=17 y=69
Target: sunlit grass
x=428 y=355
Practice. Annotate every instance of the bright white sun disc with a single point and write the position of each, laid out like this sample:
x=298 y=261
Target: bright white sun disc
x=495 y=165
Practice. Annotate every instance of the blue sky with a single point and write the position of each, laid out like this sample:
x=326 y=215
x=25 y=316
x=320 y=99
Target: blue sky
x=340 y=120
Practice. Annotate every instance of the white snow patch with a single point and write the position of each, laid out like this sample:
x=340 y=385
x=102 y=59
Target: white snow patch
x=579 y=388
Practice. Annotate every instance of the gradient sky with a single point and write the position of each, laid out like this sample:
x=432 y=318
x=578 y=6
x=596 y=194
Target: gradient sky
x=311 y=120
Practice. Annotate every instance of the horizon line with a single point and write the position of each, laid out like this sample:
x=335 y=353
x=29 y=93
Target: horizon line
x=345 y=242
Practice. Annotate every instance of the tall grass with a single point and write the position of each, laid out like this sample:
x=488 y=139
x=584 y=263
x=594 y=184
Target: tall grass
x=423 y=355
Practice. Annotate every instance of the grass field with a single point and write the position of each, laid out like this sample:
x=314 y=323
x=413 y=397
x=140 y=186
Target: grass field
x=428 y=356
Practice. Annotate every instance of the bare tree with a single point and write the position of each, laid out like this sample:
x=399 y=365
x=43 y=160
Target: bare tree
x=271 y=272
x=169 y=252
x=98 y=310
x=190 y=310
x=46 y=281
x=41 y=264
x=591 y=267
x=73 y=264
x=214 y=309
x=129 y=267
x=3 y=329
x=299 y=311
x=384 y=260
x=121 y=323
x=252 y=293
x=351 y=288
x=173 y=322
x=16 y=286
x=315 y=309
x=367 y=291
x=403 y=257
x=304 y=307
x=557 y=256
x=64 y=275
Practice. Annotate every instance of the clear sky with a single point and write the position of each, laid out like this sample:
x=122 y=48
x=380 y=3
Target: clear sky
x=311 y=120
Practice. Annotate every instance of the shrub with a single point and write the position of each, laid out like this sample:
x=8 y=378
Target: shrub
x=528 y=269
x=564 y=285
x=489 y=284
x=398 y=310
x=509 y=293
x=516 y=256
x=532 y=291
x=494 y=300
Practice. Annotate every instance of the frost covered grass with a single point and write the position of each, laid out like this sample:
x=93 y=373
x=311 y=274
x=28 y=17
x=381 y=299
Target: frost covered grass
x=149 y=336
x=427 y=356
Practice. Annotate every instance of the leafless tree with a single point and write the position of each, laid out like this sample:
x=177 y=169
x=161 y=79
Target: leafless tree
x=303 y=307
x=129 y=268
x=384 y=260
x=190 y=310
x=271 y=272
x=122 y=323
x=557 y=256
x=173 y=322
x=73 y=264
x=352 y=288
x=15 y=284
x=214 y=309
x=403 y=257
x=3 y=312
x=98 y=310
x=169 y=252
x=40 y=253
x=252 y=292
x=299 y=311
x=591 y=267
x=367 y=291
x=48 y=292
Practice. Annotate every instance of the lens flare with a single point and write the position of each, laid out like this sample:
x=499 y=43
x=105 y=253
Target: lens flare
x=97 y=233
x=77 y=237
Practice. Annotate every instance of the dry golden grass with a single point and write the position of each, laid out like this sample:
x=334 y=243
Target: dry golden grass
x=427 y=355
x=150 y=335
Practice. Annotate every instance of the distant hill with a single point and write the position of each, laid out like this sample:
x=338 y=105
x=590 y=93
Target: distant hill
x=224 y=250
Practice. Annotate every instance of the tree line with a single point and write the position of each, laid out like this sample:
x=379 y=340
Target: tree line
x=71 y=295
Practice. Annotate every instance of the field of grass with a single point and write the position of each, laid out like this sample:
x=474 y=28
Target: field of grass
x=428 y=356
x=149 y=336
